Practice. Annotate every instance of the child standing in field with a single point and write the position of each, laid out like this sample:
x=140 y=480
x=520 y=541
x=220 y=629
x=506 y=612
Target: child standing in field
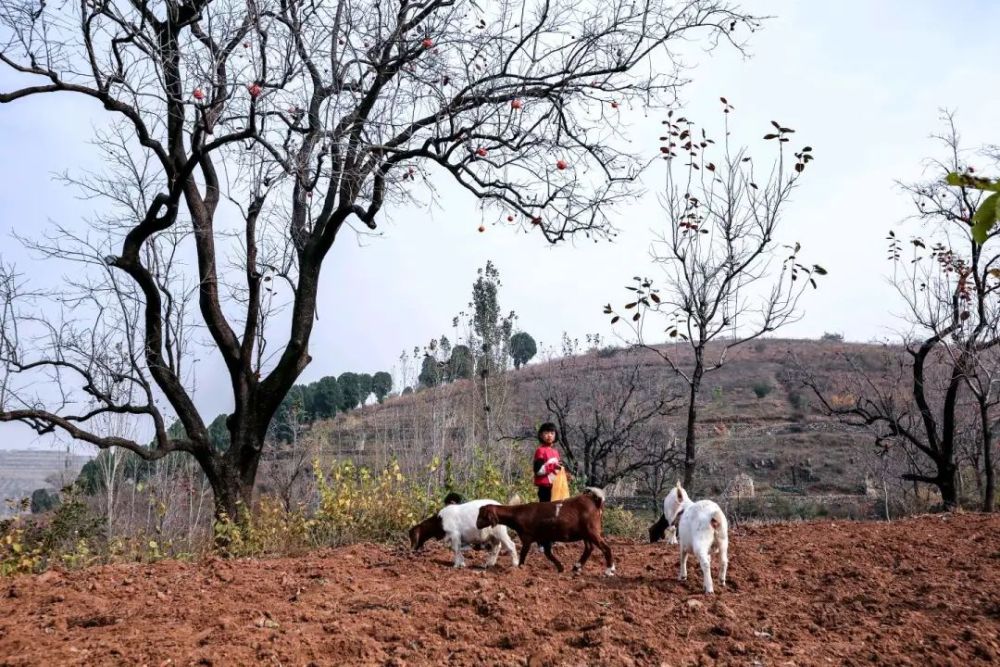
x=546 y=461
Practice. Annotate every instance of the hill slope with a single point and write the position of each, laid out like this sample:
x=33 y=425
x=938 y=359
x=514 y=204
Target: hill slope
x=779 y=438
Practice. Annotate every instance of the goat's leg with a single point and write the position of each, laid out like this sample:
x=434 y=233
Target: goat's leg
x=705 y=562
x=684 y=565
x=547 y=548
x=609 y=559
x=588 y=548
x=723 y=560
x=494 y=552
x=508 y=544
x=456 y=546
x=525 y=548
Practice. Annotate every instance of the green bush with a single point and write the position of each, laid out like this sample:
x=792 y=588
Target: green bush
x=620 y=522
x=762 y=389
x=71 y=536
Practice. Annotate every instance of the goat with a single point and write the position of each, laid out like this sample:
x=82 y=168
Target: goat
x=570 y=520
x=456 y=522
x=701 y=529
x=659 y=530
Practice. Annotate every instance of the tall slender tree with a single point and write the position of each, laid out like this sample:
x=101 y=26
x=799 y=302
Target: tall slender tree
x=723 y=213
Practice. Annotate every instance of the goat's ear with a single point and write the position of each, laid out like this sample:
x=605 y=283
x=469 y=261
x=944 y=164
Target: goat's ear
x=491 y=516
x=680 y=493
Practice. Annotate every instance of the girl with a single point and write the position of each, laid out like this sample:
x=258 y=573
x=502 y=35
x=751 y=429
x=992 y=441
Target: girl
x=546 y=461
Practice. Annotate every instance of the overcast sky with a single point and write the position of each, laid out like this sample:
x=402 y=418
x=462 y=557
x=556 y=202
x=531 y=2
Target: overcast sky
x=861 y=81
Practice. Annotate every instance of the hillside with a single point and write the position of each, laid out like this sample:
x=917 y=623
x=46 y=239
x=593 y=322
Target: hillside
x=780 y=439
x=24 y=470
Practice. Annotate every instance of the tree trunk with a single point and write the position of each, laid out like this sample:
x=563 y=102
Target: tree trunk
x=233 y=482
x=690 y=443
x=989 y=495
x=947 y=485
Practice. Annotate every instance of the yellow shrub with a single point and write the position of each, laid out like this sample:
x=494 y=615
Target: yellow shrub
x=356 y=504
x=271 y=530
x=16 y=557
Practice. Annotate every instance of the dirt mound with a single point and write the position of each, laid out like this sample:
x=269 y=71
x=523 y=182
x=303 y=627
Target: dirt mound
x=921 y=591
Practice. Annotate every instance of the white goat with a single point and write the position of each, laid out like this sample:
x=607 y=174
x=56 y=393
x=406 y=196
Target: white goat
x=457 y=524
x=701 y=529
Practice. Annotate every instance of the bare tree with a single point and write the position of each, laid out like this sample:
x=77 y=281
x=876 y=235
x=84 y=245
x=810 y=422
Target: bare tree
x=258 y=130
x=946 y=382
x=292 y=452
x=717 y=254
x=611 y=420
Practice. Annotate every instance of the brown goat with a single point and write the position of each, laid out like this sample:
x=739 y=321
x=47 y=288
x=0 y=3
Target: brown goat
x=430 y=528
x=571 y=520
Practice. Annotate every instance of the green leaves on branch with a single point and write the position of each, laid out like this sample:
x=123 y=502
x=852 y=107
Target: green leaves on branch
x=988 y=213
x=985 y=218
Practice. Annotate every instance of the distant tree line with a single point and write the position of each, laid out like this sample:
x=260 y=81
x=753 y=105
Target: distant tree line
x=303 y=405
x=326 y=397
x=491 y=343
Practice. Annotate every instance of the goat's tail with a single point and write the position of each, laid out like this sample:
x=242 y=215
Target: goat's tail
x=515 y=499
x=597 y=494
x=720 y=524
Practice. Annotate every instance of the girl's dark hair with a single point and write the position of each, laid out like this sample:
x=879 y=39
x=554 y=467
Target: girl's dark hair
x=546 y=428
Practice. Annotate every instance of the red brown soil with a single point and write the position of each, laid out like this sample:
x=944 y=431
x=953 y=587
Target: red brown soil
x=923 y=591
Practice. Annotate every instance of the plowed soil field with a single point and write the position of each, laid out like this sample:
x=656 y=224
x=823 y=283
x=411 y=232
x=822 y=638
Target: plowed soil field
x=921 y=591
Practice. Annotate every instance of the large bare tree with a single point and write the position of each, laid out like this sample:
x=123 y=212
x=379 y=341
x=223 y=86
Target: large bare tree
x=726 y=276
x=611 y=416
x=945 y=388
x=245 y=135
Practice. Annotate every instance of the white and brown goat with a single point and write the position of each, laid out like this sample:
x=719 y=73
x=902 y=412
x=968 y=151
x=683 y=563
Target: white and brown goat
x=456 y=522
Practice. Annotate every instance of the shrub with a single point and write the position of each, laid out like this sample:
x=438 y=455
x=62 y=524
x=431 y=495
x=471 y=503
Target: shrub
x=271 y=530
x=356 y=504
x=17 y=555
x=485 y=480
x=620 y=522
x=832 y=337
x=71 y=536
x=42 y=501
x=762 y=389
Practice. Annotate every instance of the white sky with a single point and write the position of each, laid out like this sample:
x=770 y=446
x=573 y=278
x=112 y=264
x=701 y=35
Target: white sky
x=860 y=80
